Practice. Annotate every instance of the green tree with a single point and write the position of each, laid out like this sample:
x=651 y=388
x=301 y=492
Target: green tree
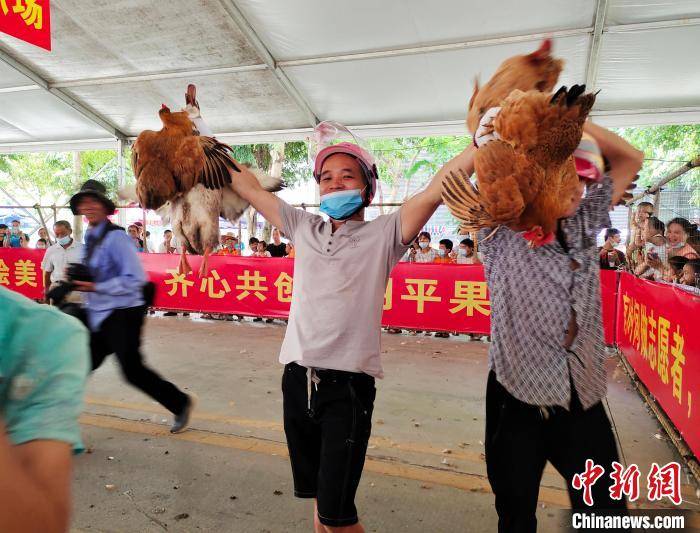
x=665 y=149
x=288 y=160
x=409 y=162
x=35 y=179
x=296 y=167
x=103 y=165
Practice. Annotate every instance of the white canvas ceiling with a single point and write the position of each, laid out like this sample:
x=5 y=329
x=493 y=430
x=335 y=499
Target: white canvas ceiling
x=268 y=70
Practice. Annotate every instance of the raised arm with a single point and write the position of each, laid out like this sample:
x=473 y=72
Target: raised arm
x=418 y=209
x=624 y=159
x=247 y=186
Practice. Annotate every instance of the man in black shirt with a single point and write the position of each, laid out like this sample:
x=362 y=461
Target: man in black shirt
x=277 y=248
x=610 y=257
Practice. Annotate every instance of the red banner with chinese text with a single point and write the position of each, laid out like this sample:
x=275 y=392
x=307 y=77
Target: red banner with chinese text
x=28 y=20
x=20 y=270
x=255 y=286
x=431 y=297
x=419 y=296
x=657 y=331
x=438 y=297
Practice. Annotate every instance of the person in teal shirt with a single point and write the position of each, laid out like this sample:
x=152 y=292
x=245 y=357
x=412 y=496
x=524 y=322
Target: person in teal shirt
x=44 y=362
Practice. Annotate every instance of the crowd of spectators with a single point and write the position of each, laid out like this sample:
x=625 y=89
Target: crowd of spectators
x=421 y=251
x=13 y=236
x=667 y=252
x=658 y=251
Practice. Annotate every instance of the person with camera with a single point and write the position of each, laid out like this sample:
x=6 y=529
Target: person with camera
x=654 y=262
x=116 y=303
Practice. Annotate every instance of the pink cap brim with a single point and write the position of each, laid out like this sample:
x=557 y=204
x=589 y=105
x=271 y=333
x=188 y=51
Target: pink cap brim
x=342 y=148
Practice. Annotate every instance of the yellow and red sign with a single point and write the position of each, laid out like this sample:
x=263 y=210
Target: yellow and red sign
x=657 y=332
x=28 y=20
x=20 y=270
x=434 y=297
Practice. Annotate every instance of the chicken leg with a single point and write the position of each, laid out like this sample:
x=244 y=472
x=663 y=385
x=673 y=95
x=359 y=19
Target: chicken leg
x=204 y=267
x=184 y=265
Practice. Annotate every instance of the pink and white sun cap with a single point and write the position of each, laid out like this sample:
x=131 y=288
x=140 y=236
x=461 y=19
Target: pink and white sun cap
x=589 y=160
x=363 y=156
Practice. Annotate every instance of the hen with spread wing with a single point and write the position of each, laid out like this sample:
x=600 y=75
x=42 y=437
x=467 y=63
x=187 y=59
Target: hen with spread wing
x=186 y=177
x=526 y=177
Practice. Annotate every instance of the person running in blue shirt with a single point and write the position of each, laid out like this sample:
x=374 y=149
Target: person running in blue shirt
x=115 y=301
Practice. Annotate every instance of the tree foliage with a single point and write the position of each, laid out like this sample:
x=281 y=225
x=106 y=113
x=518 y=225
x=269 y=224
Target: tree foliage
x=665 y=149
x=103 y=165
x=296 y=167
x=407 y=163
x=36 y=177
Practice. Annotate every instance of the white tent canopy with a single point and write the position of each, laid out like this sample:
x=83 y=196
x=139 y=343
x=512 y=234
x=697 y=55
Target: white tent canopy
x=269 y=70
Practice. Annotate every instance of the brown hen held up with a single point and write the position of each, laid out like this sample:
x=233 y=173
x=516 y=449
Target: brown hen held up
x=527 y=178
x=536 y=71
x=172 y=161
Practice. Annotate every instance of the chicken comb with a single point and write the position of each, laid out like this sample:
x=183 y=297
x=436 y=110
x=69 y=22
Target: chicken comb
x=543 y=52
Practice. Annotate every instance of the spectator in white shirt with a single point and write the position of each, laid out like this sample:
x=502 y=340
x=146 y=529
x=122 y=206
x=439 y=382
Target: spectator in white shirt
x=465 y=253
x=57 y=256
x=425 y=254
x=167 y=246
x=654 y=261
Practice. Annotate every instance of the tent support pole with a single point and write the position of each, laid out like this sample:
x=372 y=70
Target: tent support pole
x=121 y=178
x=690 y=165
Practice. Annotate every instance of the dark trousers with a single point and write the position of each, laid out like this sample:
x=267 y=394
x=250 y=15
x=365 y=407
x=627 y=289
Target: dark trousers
x=520 y=439
x=327 y=430
x=120 y=334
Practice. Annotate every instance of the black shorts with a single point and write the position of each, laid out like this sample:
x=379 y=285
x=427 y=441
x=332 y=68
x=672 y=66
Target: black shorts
x=327 y=436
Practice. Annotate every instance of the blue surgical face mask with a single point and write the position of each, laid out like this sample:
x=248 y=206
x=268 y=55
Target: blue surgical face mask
x=423 y=244
x=441 y=253
x=63 y=241
x=462 y=252
x=341 y=205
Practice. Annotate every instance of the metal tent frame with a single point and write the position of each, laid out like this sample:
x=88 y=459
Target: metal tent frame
x=281 y=70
